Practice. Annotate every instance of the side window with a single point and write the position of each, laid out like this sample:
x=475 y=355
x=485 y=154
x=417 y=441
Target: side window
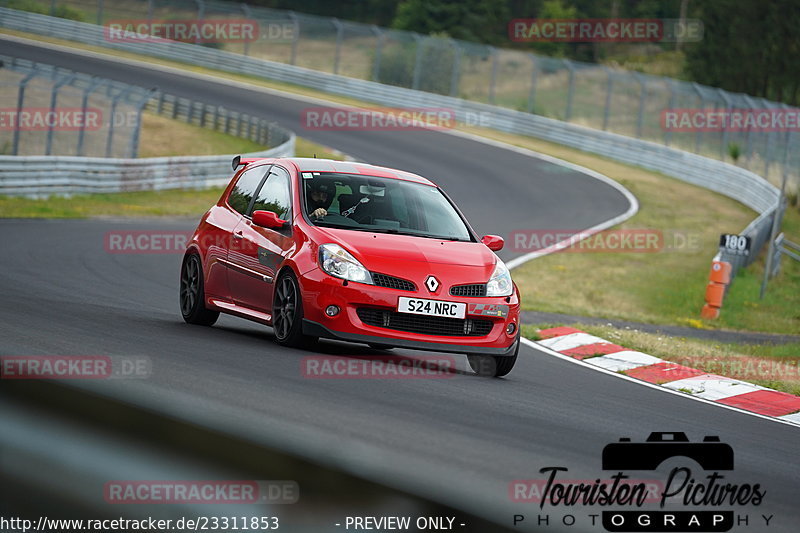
x=245 y=188
x=274 y=195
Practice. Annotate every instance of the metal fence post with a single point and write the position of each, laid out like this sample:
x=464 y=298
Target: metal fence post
x=570 y=90
x=203 y=111
x=534 y=78
x=749 y=137
x=456 y=74
x=201 y=14
x=671 y=105
x=249 y=14
x=417 y=62
x=295 y=36
x=642 y=94
x=150 y=8
x=20 y=100
x=770 y=136
x=114 y=102
x=376 y=64
x=100 y=7
x=493 y=81
x=339 y=36
x=609 y=91
x=96 y=82
x=728 y=106
x=776 y=222
x=698 y=134
x=134 y=150
x=53 y=97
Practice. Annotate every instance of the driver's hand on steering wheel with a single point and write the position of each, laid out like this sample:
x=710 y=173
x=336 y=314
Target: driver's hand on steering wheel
x=319 y=212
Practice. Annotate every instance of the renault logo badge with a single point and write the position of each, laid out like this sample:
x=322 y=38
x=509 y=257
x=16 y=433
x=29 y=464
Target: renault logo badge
x=432 y=283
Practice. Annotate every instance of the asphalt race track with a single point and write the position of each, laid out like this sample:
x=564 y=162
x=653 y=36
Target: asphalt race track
x=463 y=439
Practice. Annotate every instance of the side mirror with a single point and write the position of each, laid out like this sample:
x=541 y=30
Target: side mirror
x=236 y=161
x=494 y=242
x=268 y=219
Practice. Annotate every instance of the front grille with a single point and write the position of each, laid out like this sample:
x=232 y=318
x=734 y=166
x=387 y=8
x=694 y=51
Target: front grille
x=476 y=289
x=391 y=282
x=426 y=325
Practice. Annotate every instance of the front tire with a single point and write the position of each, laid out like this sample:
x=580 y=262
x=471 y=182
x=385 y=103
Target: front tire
x=287 y=313
x=192 y=293
x=493 y=365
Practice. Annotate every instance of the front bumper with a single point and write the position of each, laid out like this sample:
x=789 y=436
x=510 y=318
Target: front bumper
x=318 y=330
x=320 y=290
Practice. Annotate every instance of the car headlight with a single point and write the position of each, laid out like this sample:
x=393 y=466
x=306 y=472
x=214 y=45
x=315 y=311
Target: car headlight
x=500 y=283
x=338 y=262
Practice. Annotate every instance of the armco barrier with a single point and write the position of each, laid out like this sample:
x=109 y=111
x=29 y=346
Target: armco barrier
x=742 y=185
x=39 y=176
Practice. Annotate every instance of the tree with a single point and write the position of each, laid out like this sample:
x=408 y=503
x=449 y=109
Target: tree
x=483 y=21
x=748 y=46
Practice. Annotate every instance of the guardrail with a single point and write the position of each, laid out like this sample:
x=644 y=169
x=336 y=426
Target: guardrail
x=41 y=176
x=738 y=183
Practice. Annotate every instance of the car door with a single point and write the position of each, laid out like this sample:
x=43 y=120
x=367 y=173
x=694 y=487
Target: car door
x=257 y=253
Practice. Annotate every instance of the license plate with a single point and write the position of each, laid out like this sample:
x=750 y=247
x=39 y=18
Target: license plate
x=419 y=306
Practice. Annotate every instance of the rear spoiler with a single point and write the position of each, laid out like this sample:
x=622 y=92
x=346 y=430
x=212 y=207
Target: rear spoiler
x=238 y=161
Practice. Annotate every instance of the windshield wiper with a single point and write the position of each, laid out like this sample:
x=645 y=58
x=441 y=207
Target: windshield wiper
x=424 y=235
x=392 y=231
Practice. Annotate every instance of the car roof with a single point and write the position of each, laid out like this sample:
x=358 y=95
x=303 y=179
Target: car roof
x=309 y=164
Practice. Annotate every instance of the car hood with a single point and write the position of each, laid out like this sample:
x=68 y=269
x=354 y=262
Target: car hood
x=367 y=246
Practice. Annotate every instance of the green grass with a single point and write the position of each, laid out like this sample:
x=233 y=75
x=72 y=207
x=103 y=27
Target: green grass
x=776 y=366
x=163 y=136
x=126 y=204
x=780 y=308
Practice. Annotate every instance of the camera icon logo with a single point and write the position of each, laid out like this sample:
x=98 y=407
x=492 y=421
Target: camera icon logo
x=710 y=454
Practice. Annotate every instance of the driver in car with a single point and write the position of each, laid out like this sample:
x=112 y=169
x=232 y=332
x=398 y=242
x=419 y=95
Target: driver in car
x=319 y=199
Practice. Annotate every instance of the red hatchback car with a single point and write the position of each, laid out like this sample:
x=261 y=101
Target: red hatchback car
x=354 y=252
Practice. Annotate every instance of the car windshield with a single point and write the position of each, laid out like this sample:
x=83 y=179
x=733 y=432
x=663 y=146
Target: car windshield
x=383 y=205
